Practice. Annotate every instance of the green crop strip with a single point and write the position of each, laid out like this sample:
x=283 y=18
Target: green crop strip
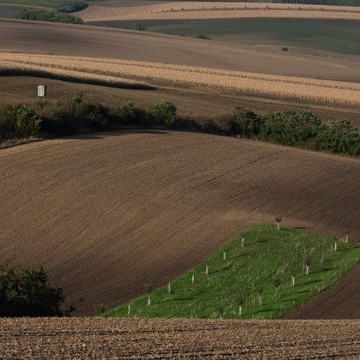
x=262 y=274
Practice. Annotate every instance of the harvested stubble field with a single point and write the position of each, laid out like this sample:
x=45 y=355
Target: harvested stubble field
x=89 y=338
x=109 y=215
x=212 y=10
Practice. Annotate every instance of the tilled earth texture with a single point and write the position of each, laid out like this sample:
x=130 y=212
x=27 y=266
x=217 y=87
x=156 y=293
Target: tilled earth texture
x=96 y=338
x=110 y=215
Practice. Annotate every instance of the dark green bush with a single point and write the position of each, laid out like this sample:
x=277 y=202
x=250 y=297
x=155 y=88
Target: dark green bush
x=129 y=114
x=25 y=292
x=289 y=127
x=7 y=125
x=164 y=113
x=244 y=123
x=19 y=121
x=339 y=136
x=126 y=114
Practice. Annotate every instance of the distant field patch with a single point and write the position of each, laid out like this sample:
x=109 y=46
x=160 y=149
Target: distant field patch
x=215 y=10
x=340 y=37
x=9 y=11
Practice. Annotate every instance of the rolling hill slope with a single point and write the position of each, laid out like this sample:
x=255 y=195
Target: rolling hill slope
x=91 y=41
x=109 y=215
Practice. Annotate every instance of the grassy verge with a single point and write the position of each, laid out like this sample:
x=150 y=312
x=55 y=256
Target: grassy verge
x=262 y=274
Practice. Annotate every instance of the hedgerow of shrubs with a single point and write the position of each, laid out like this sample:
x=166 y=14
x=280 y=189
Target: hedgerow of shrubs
x=49 y=15
x=289 y=127
x=164 y=113
x=300 y=129
x=75 y=116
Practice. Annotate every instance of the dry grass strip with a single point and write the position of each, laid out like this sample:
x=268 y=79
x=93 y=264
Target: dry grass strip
x=334 y=92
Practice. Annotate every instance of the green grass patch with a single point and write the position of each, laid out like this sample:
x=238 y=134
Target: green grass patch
x=335 y=36
x=256 y=275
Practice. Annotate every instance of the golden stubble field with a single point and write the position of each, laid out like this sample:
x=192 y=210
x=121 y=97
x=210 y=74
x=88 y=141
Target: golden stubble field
x=90 y=338
x=274 y=86
x=189 y=10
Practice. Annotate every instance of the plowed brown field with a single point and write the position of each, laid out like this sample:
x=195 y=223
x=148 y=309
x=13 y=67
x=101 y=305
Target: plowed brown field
x=110 y=215
x=90 y=338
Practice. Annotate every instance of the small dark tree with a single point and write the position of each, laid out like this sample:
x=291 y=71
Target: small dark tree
x=278 y=221
x=164 y=113
x=24 y=119
x=347 y=232
x=244 y=123
x=241 y=301
x=290 y=127
x=277 y=283
x=25 y=292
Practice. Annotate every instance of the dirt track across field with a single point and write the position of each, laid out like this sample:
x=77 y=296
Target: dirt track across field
x=89 y=338
x=110 y=215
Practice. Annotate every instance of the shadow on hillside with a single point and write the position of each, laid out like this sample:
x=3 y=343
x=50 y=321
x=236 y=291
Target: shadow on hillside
x=75 y=79
x=89 y=136
x=115 y=133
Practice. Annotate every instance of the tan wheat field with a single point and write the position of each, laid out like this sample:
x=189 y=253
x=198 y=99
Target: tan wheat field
x=335 y=92
x=214 y=10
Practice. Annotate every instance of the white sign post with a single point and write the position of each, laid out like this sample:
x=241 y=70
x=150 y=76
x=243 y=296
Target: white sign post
x=41 y=90
x=41 y=93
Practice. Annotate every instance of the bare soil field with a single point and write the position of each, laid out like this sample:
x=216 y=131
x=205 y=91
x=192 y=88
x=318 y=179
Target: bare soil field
x=90 y=338
x=109 y=215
